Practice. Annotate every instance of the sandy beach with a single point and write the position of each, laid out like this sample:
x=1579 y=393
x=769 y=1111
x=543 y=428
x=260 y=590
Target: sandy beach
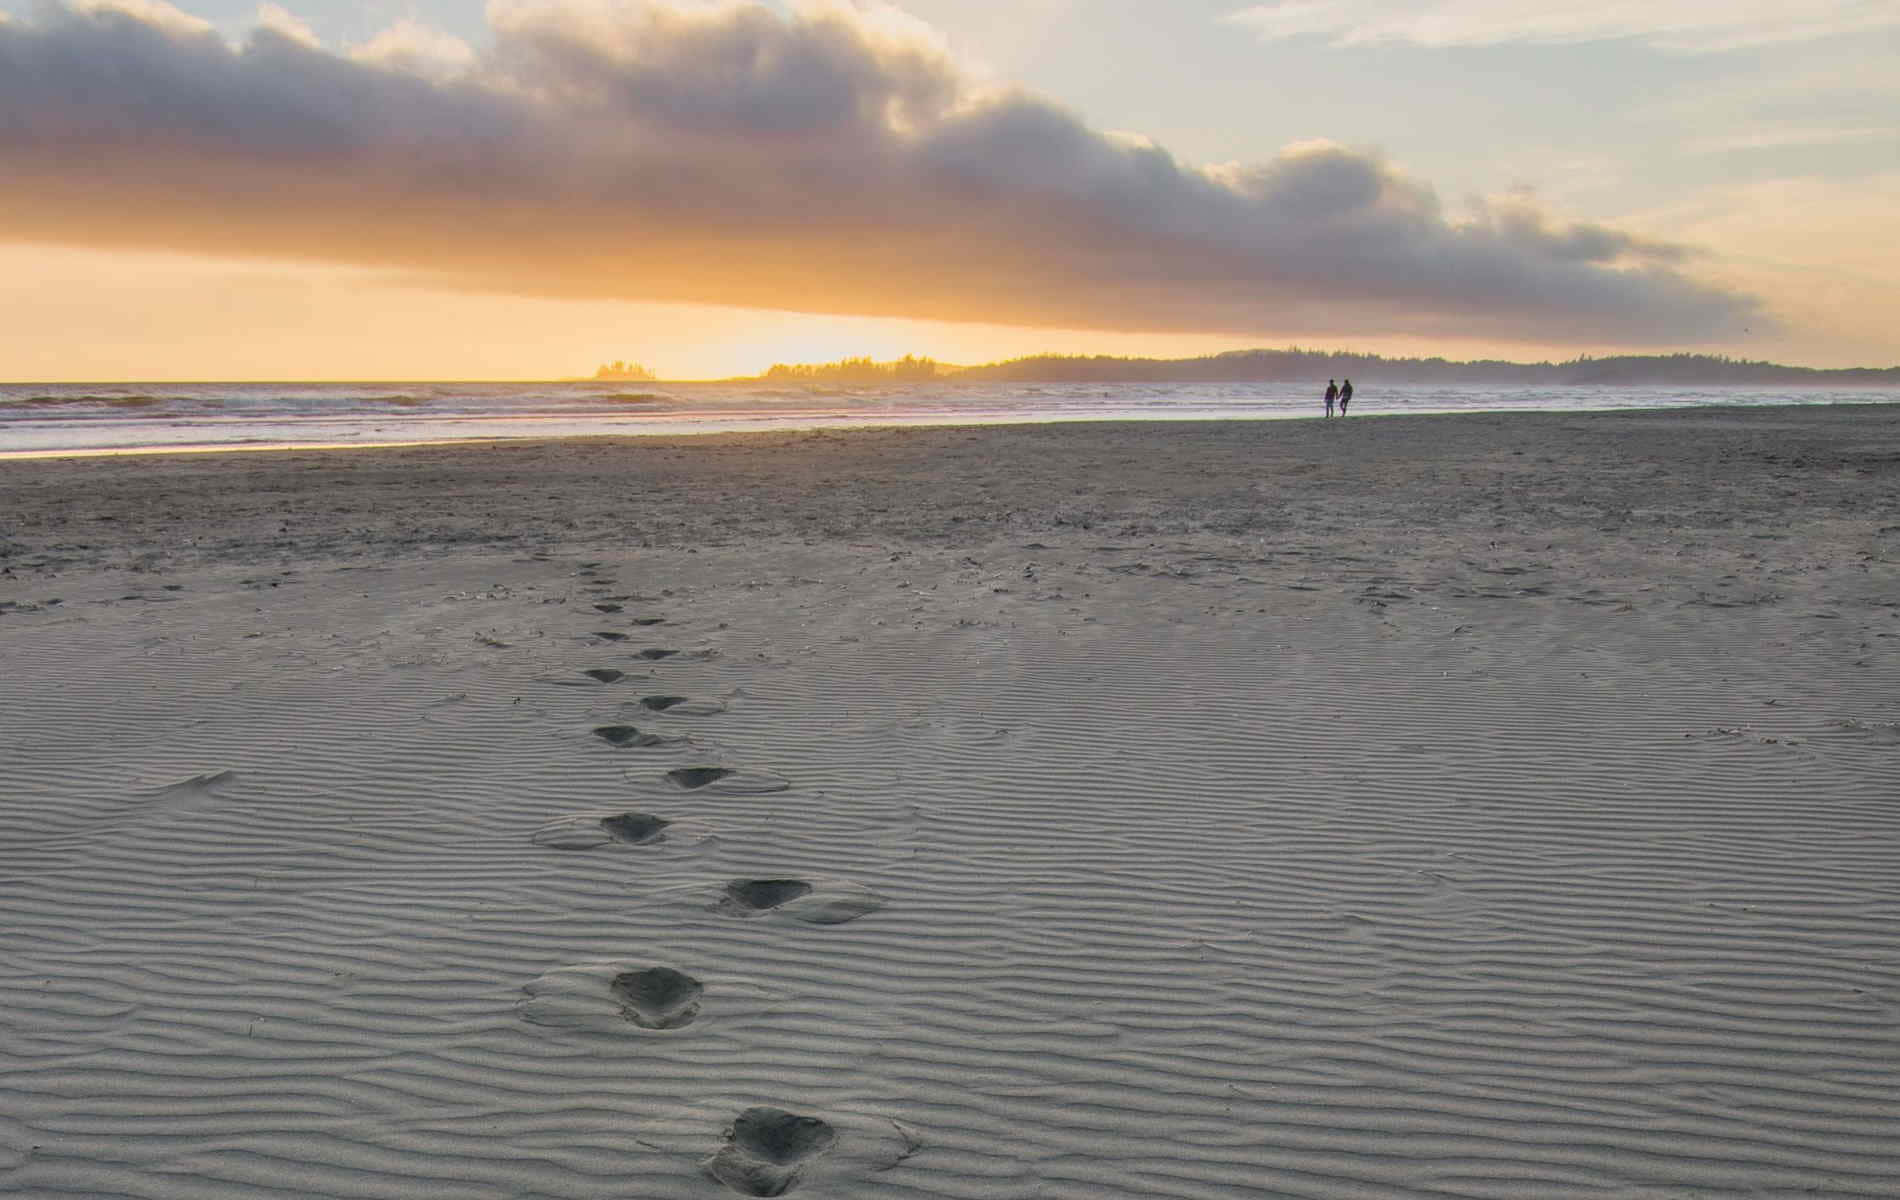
x=1462 y=806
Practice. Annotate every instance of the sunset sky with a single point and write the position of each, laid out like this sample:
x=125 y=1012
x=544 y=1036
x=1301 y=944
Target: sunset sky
x=334 y=189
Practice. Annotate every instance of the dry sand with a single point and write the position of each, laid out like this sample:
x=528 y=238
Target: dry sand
x=1489 y=806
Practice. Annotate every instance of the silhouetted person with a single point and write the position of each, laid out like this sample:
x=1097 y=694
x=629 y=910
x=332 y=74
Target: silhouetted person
x=1345 y=397
x=1332 y=394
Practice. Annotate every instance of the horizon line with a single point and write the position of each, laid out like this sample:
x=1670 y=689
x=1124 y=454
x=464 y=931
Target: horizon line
x=951 y=369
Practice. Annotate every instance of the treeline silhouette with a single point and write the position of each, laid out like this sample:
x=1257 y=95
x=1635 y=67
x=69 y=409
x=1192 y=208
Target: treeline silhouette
x=1294 y=365
x=908 y=369
x=618 y=369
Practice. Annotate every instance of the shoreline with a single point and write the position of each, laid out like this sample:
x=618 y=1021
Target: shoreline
x=472 y=420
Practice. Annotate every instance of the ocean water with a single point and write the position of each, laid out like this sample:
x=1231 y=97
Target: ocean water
x=47 y=419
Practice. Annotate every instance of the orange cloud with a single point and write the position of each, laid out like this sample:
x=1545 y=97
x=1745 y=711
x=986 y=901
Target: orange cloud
x=728 y=155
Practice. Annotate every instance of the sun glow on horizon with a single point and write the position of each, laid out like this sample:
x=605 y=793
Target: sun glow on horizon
x=105 y=316
x=156 y=316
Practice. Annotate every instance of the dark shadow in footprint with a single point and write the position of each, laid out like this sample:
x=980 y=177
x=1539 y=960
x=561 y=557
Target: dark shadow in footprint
x=655 y=655
x=605 y=674
x=692 y=778
x=635 y=829
x=658 y=997
x=765 y=1150
x=609 y=635
x=626 y=736
x=683 y=706
x=750 y=897
x=649 y=620
x=199 y=783
x=727 y=781
x=819 y=901
x=200 y=791
x=608 y=608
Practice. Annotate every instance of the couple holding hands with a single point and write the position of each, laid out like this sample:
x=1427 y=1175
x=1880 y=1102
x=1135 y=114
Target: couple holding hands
x=1342 y=394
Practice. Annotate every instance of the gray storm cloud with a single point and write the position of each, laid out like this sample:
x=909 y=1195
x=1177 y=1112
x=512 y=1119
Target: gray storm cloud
x=734 y=156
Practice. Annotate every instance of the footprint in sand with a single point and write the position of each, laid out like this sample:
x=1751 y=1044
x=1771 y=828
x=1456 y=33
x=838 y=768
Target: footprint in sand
x=609 y=635
x=663 y=653
x=727 y=781
x=188 y=795
x=617 y=998
x=626 y=737
x=592 y=677
x=682 y=706
x=657 y=997
x=585 y=831
x=767 y=1149
x=750 y=897
x=635 y=829
x=824 y=902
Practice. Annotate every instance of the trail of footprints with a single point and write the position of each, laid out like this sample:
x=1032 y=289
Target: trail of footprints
x=764 y=1151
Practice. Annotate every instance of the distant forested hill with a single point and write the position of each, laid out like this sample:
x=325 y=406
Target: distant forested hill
x=1264 y=366
x=1305 y=366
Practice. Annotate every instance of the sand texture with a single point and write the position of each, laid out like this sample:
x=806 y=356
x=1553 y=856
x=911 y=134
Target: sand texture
x=1482 y=806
